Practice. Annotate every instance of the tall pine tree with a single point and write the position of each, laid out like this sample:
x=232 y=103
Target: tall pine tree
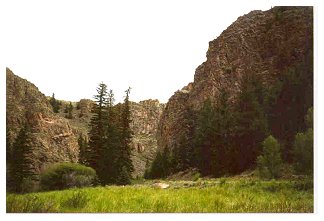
x=97 y=134
x=21 y=165
x=125 y=165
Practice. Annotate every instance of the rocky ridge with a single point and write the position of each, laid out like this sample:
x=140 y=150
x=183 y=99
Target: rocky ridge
x=262 y=42
x=53 y=139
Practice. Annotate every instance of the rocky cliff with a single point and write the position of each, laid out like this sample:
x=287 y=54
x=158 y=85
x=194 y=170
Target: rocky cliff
x=145 y=117
x=263 y=42
x=53 y=139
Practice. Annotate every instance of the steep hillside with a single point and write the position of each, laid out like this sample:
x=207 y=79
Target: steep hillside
x=52 y=139
x=266 y=43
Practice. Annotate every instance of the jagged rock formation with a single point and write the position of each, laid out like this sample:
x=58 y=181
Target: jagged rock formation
x=145 y=117
x=265 y=43
x=52 y=138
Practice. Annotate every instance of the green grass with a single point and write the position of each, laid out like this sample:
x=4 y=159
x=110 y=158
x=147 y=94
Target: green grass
x=212 y=195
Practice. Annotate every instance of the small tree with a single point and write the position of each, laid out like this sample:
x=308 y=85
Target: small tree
x=69 y=111
x=303 y=147
x=303 y=152
x=270 y=162
x=55 y=104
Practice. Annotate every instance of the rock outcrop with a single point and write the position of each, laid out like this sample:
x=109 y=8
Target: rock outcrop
x=263 y=42
x=145 y=117
x=52 y=137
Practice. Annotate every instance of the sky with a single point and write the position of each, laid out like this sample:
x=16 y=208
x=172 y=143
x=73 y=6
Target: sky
x=154 y=47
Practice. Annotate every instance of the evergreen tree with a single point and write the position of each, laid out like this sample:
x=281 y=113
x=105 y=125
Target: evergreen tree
x=303 y=147
x=21 y=168
x=55 y=104
x=97 y=134
x=112 y=141
x=69 y=111
x=83 y=145
x=251 y=126
x=9 y=158
x=183 y=154
x=223 y=133
x=204 y=138
x=270 y=162
x=124 y=155
x=161 y=165
x=293 y=97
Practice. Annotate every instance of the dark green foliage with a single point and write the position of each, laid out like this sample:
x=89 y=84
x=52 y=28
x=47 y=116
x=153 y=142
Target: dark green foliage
x=309 y=118
x=20 y=164
x=56 y=105
x=109 y=151
x=69 y=111
x=251 y=126
x=83 y=145
x=203 y=138
x=67 y=175
x=161 y=166
x=124 y=178
x=182 y=156
x=226 y=137
x=293 y=95
x=303 y=147
x=124 y=164
x=97 y=134
x=270 y=162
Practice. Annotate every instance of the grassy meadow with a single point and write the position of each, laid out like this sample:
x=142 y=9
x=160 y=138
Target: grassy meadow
x=228 y=195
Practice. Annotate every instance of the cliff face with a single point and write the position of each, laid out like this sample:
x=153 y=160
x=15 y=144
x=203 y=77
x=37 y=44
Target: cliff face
x=52 y=137
x=145 y=117
x=265 y=43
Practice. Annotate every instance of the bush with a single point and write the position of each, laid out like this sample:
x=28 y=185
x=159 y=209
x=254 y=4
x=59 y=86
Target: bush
x=270 y=163
x=67 y=175
x=303 y=152
x=196 y=176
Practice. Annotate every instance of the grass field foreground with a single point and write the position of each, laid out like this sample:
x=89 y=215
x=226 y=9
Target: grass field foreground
x=213 y=196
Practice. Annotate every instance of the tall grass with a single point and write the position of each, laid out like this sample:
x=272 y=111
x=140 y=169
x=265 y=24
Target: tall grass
x=201 y=196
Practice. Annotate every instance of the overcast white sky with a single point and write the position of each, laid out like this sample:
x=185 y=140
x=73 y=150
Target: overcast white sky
x=68 y=47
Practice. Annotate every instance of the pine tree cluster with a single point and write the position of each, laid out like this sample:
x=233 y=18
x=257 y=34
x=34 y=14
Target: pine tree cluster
x=108 y=150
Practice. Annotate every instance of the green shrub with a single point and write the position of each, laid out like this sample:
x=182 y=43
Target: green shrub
x=67 y=175
x=196 y=176
x=303 y=152
x=270 y=162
